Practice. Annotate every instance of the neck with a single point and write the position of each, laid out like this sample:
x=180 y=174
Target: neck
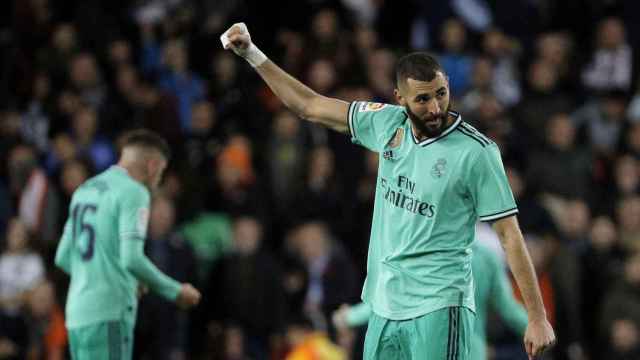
x=133 y=171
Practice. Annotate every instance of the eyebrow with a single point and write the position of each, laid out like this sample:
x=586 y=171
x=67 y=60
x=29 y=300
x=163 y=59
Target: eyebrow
x=443 y=88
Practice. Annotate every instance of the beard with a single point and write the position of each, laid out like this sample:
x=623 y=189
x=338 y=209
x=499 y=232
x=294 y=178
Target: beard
x=431 y=125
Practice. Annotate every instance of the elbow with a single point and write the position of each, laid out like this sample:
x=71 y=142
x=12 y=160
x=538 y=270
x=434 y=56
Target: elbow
x=309 y=109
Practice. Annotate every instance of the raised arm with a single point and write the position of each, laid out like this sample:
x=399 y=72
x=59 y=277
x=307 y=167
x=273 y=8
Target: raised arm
x=539 y=334
x=298 y=97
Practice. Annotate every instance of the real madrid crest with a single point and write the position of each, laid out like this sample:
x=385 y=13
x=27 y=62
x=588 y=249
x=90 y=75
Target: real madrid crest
x=397 y=138
x=439 y=168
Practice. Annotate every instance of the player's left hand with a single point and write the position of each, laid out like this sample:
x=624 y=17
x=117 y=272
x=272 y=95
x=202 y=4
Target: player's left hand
x=339 y=317
x=538 y=337
x=188 y=297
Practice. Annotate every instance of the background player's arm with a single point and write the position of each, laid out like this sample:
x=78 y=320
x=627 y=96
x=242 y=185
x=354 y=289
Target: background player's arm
x=503 y=301
x=63 y=253
x=133 y=222
x=134 y=259
x=298 y=97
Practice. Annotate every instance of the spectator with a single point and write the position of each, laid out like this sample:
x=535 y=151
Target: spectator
x=631 y=140
x=21 y=269
x=481 y=84
x=503 y=52
x=556 y=49
x=171 y=65
x=611 y=65
x=602 y=263
x=332 y=280
x=36 y=120
x=454 y=60
x=86 y=79
x=543 y=99
x=320 y=195
x=205 y=142
x=89 y=143
x=245 y=290
x=47 y=334
x=36 y=200
x=286 y=150
x=380 y=74
x=628 y=219
x=562 y=168
x=56 y=57
x=574 y=223
x=620 y=319
x=236 y=190
x=535 y=218
x=602 y=121
x=626 y=177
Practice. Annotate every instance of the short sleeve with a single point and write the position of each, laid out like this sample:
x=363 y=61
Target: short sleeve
x=134 y=214
x=373 y=124
x=489 y=186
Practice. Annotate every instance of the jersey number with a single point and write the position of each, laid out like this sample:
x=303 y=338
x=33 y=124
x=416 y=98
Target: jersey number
x=81 y=226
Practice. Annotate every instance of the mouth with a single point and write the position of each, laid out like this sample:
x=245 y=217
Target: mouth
x=433 y=121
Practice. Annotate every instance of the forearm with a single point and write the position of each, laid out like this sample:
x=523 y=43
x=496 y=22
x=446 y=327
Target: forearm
x=358 y=314
x=62 y=259
x=146 y=272
x=299 y=98
x=293 y=93
x=524 y=273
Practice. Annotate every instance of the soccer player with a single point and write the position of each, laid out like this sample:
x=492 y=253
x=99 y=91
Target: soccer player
x=102 y=250
x=437 y=176
x=492 y=287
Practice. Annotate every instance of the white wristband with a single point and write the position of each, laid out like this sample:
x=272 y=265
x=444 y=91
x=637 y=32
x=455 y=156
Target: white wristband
x=254 y=56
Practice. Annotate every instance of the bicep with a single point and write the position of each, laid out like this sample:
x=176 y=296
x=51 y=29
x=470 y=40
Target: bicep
x=329 y=112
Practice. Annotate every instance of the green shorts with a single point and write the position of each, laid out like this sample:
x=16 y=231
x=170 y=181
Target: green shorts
x=112 y=340
x=444 y=334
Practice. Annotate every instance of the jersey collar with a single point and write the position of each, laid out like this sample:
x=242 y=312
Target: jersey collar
x=120 y=169
x=446 y=132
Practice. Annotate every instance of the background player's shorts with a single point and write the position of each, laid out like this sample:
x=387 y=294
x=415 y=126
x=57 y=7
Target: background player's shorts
x=112 y=340
x=444 y=334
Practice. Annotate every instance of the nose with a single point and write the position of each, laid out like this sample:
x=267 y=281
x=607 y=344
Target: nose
x=433 y=107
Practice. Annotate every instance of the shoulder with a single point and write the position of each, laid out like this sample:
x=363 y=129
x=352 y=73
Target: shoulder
x=388 y=111
x=472 y=138
x=124 y=189
x=382 y=118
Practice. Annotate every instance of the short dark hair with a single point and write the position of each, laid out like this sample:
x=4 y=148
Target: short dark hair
x=419 y=66
x=148 y=139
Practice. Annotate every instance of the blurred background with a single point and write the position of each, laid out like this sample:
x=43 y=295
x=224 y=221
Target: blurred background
x=268 y=215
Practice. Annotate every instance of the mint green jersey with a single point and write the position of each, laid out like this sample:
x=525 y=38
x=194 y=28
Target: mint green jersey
x=102 y=250
x=429 y=195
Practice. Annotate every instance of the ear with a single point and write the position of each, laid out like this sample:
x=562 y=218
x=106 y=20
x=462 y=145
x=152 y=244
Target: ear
x=399 y=98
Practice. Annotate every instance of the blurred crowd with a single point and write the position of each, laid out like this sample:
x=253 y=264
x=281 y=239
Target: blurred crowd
x=269 y=215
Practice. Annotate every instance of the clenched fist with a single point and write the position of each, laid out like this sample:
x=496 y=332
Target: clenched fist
x=538 y=337
x=188 y=296
x=238 y=39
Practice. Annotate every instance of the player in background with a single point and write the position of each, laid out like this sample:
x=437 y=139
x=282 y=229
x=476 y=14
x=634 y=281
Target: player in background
x=437 y=176
x=493 y=290
x=102 y=249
